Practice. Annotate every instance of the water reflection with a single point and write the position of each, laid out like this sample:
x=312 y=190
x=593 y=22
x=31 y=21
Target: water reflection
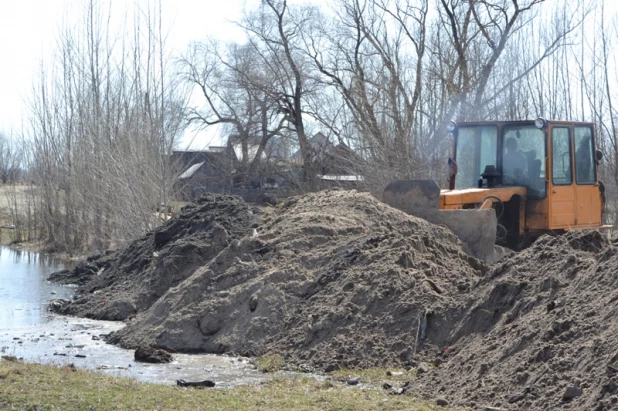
x=29 y=331
x=24 y=290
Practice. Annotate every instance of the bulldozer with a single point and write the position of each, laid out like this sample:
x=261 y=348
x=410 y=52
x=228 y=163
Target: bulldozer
x=510 y=182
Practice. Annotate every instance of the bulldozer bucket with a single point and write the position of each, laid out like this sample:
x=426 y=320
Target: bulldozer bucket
x=421 y=198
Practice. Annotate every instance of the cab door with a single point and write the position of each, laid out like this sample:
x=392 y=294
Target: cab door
x=562 y=192
x=588 y=196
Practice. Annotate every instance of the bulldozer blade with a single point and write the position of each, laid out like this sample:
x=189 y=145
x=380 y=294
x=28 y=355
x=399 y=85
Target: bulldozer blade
x=415 y=197
x=421 y=198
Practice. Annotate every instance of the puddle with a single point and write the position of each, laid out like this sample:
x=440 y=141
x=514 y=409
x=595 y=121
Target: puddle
x=24 y=291
x=65 y=340
x=29 y=331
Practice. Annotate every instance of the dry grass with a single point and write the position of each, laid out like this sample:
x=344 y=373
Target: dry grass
x=376 y=376
x=33 y=386
x=269 y=363
x=9 y=196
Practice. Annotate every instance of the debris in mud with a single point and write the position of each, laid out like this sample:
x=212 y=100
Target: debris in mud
x=117 y=285
x=306 y=368
x=353 y=381
x=397 y=391
x=195 y=384
x=422 y=368
x=153 y=355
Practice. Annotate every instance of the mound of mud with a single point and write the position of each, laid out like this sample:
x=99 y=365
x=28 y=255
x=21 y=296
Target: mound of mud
x=116 y=286
x=332 y=279
x=541 y=331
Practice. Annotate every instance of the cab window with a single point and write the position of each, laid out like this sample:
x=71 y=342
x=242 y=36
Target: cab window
x=523 y=158
x=585 y=172
x=476 y=148
x=561 y=156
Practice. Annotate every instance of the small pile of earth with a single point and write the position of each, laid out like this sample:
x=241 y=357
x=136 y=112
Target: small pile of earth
x=331 y=279
x=540 y=331
x=116 y=286
x=84 y=270
x=153 y=355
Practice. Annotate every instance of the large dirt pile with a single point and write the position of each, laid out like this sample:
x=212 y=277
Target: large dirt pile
x=334 y=279
x=116 y=286
x=540 y=328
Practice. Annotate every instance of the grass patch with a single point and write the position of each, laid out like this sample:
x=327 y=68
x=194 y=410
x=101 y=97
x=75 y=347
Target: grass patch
x=376 y=376
x=45 y=387
x=269 y=363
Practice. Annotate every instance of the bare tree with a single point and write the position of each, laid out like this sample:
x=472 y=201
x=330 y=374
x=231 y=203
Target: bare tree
x=105 y=118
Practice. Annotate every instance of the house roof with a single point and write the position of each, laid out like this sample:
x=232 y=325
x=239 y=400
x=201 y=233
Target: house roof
x=341 y=178
x=319 y=143
x=188 y=173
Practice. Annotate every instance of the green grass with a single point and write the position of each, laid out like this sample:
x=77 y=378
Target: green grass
x=269 y=363
x=44 y=387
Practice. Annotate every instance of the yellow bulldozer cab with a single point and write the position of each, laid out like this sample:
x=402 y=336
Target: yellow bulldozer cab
x=536 y=176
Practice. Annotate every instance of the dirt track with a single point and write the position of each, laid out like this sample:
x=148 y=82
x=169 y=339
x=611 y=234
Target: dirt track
x=338 y=279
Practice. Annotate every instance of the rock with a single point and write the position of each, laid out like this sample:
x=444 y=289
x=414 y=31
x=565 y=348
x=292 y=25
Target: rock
x=306 y=368
x=387 y=386
x=331 y=368
x=422 y=368
x=119 y=310
x=514 y=398
x=253 y=302
x=492 y=409
x=195 y=384
x=56 y=305
x=442 y=402
x=572 y=391
x=95 y=338
x=353 y=381
x=80 y=356
x=401 y=390
x=10 y=358
x=220 y=235
x=463 y=286
x=152 y=355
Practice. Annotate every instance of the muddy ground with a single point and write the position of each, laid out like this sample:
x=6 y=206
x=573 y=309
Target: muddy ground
x=337 y=279
x=117 y=285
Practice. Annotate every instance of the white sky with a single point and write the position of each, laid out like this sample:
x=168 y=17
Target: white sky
x=28 y=29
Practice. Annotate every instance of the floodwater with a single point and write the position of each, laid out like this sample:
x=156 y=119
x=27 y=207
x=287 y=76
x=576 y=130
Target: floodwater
x=29 y=331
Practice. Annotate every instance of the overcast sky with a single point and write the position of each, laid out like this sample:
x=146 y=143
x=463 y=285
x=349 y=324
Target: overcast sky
x=28 y=30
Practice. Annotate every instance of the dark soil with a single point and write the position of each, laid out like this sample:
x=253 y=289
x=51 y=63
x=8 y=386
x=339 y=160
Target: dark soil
x=337 y=279
x=117 y=286
x=540 y=331
x=152 y=355
x=333 y=279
